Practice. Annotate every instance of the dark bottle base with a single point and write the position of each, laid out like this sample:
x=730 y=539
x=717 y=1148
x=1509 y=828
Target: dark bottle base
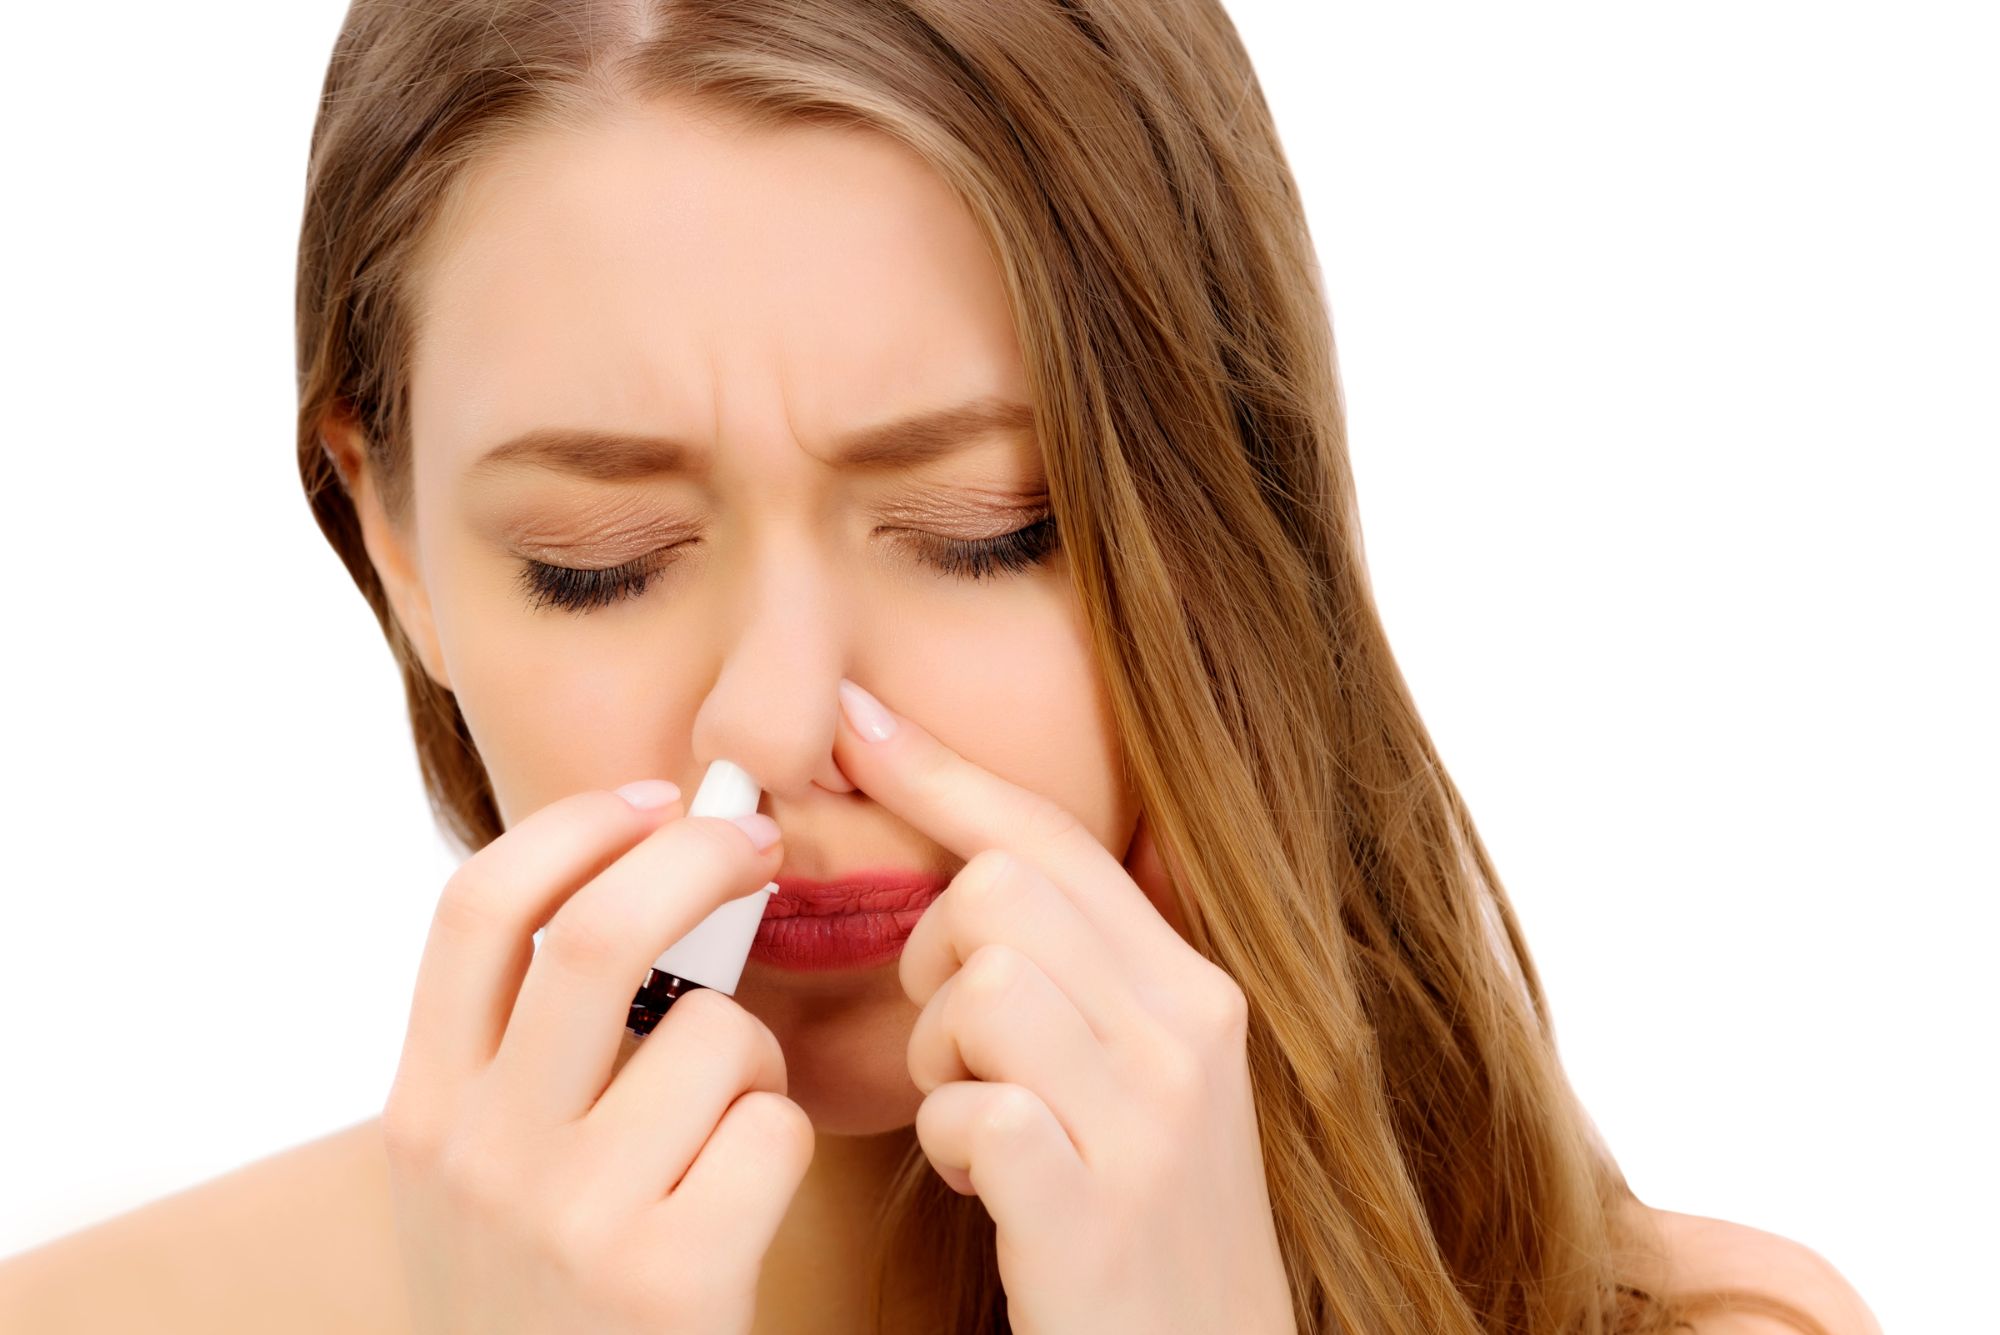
x=655 y=995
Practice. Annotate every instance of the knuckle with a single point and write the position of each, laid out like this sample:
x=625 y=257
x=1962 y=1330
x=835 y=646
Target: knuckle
x=407 y=1142
x=721 y=1019
x=410 y=1134
x=931 y=769
x=1049 y=822
x=1224 y=1008
x=782 y=1130
x=752 y=1051
x=599 y=812
x=586 y=935
x=469 y=903
x=716 y=841
x=987 y=878
x=602 y=806
x=1010 y=1115
x=577 y=1236
x=990 y=973
x=773 y=1062
x=472 y=1171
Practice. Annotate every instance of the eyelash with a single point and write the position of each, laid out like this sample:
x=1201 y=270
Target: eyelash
x=580 y=589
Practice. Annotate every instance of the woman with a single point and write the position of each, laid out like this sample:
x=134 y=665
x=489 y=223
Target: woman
x=1215 y=1015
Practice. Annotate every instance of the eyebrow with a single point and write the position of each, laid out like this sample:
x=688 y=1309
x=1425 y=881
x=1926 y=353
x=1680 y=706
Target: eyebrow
x=612 y=456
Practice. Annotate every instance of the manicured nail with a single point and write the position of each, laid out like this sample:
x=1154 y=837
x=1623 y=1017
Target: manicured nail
x=763 y=831
x=865 y=713
x=649 y=794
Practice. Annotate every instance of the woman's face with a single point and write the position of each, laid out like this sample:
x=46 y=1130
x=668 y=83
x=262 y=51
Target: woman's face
x=757 y=297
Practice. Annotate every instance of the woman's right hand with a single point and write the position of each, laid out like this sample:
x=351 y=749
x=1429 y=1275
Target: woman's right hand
x=539 y=1185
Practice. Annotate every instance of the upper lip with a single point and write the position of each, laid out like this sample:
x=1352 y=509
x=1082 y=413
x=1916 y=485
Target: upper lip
x=882 y=890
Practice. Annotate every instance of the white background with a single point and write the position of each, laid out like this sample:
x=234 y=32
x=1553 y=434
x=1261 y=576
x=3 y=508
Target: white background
x=1669 y=342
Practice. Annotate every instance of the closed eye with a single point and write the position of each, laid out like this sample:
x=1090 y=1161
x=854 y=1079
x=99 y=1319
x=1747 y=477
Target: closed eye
x=582 y=589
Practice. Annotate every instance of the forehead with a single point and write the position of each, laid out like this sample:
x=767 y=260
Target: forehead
x=662 y=270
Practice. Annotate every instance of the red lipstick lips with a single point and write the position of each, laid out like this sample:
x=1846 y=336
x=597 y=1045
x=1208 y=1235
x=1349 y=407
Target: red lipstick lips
x=858 y=921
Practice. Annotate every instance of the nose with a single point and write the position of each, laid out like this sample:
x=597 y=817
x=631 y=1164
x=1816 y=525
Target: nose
x=784 y=644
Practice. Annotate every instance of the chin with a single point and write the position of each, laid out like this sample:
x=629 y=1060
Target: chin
x=846 y=1048
x=844 y=1108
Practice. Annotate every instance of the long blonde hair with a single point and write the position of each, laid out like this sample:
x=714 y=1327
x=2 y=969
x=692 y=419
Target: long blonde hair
x=1429 y=1167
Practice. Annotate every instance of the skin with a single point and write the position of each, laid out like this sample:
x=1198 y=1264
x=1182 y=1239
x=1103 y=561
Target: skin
x=758 y=296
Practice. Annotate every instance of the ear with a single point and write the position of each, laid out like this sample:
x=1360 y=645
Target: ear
x=391 y=549
x=1145 y=864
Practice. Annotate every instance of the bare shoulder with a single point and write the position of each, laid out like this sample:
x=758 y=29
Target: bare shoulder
x=301 y=1240
x=1704 y=1254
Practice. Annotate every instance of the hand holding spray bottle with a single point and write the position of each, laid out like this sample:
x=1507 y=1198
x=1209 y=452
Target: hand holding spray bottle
x=538 y=1181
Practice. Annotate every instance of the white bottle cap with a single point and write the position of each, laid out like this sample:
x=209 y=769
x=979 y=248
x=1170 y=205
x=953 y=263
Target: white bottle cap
x=713 y=953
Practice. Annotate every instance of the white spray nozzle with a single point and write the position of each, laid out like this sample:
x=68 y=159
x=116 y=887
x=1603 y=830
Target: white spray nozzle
x=713 y=953
x=726 y=790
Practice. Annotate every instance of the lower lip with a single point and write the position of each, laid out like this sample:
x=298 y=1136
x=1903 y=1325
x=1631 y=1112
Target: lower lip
x=815 y=941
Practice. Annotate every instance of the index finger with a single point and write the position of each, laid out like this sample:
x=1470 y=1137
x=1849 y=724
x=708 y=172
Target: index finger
x=967 y=808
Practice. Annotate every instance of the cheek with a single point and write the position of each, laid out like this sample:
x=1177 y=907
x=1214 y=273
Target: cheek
x=555 y=706
x=550 y=723
x=1031 y=706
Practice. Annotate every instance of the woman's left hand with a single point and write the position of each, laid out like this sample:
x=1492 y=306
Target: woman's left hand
x=1084 y=1068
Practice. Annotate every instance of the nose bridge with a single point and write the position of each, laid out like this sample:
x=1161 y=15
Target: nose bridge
x=780 y=656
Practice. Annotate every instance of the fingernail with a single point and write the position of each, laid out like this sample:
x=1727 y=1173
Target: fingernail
x=648 y=794
x=763 y=831
x=865 y=713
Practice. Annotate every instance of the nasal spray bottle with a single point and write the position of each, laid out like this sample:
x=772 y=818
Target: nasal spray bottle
x=712 y=954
